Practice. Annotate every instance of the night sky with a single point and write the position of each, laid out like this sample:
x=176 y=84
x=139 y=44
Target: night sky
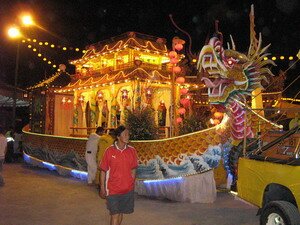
x=78 y=23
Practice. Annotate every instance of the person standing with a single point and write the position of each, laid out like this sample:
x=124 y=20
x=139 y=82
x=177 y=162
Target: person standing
x=3 y=148
x=91 y=153
x=105 y=141
x=117 y=176
x=10 y=145
x=18 y=137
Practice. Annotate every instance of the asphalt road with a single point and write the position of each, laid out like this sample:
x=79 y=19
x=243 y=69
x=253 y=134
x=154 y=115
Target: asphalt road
x=35 y=196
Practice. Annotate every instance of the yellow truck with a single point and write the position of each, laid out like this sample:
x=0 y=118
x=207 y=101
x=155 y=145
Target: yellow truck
x=269 y=177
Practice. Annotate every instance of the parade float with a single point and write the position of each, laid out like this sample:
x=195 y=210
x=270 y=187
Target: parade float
x=135 y=71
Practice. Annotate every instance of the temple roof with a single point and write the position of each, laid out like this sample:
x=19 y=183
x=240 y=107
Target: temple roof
x=131 y=39
x=120 y=77
x=127 y=40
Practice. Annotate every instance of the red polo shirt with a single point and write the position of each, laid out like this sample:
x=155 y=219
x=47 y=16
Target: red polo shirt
x=118 y=165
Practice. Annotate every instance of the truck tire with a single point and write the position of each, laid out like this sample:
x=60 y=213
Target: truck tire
x=280 y=213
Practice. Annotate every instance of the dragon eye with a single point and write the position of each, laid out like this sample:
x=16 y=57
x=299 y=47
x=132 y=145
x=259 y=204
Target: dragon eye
x=230 y=62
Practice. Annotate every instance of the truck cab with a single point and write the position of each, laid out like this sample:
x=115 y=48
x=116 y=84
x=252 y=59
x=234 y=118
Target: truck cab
x=269 y=177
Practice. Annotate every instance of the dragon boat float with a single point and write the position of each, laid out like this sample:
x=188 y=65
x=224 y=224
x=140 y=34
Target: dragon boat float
x=135 y=71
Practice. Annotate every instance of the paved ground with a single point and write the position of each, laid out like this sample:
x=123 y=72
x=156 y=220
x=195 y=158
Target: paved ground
x=34 y=196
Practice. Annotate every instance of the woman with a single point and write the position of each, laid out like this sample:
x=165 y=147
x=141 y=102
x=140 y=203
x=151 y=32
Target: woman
x=117 y=176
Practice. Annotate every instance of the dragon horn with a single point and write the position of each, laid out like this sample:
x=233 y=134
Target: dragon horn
x=228 y=45
x=253 y=40
x=232 y=42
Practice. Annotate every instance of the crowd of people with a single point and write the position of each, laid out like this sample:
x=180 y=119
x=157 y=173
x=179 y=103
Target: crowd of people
x=10 y=147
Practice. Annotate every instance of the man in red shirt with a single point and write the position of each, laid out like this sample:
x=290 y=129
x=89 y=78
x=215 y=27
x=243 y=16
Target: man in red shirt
x=117 y=176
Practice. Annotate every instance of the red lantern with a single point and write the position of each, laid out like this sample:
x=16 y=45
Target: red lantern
x=183 y=91
x=218 y=115
x=180 y=80
x=216 y=121
x=178 y=120
x=172 y=54
x=181 y=111
x=81 y=99
x=62 y=67
x=174 y=60
x=178 y=47
x=185 y=102
x=176 y=69
x=182 y=101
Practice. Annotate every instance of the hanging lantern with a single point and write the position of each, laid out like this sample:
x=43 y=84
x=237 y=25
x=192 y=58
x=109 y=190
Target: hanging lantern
x=218 y=115
x=174 y=60
x=176 y=69
x=172 y=54
x=177 y=40
x=63 y=100
x=181 y=111
x=81 y=99
x=178 y=120
x=124 y=94
x=178 y=47
x=216 y=122
x=180 y=80
x=148 y=93
x=62 y=67
x=100 y=96
x=183 y=91
x=185 y=102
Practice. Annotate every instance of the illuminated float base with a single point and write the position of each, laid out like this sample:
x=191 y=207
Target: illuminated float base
x=196 y=188
x=61 y=170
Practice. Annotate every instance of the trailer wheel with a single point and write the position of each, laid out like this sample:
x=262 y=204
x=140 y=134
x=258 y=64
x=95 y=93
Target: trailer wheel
x=280 y=213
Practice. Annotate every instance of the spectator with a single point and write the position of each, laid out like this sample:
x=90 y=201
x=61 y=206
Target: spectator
x=91 y=153
x=3 y=148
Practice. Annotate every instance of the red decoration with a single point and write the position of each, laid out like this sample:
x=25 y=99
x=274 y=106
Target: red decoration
x=178 y=47
x=216 y=121
x=185 y=102
x=174 y=60
x=178 y=120
x=172 y=54
x=181 y=111
x=62 y=67
x=218 y=115
x=183 y=91
x=180 y=80
x=81 y=99
x=177 y=40
x=176 y=69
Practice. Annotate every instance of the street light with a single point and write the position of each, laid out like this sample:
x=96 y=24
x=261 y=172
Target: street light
x=15 y=33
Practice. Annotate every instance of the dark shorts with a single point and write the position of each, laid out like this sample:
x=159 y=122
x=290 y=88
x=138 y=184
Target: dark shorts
x=123 y=203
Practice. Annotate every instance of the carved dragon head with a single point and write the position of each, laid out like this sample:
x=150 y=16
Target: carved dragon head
x=230 y=73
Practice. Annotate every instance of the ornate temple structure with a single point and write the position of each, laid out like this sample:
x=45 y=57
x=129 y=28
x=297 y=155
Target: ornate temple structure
x=127 y=72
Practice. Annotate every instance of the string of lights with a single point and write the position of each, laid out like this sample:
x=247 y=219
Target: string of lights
x=35 y=46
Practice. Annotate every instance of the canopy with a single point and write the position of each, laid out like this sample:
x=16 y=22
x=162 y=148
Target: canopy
x=7 y=96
